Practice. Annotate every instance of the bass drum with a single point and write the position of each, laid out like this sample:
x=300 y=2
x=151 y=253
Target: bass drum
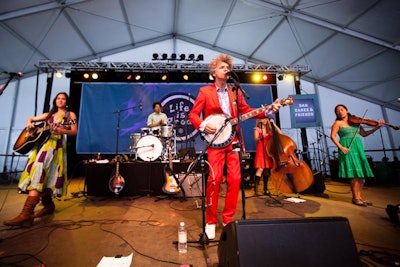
x=149 y=148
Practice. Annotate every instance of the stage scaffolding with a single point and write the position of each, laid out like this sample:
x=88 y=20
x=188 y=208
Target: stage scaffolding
x=162 y=66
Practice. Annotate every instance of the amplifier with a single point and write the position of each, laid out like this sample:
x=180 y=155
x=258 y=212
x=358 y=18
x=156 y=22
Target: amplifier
x=192 y=185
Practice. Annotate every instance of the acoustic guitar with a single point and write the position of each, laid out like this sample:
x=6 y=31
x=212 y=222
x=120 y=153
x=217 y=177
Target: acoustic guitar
x=38 y=135
x=171 y=182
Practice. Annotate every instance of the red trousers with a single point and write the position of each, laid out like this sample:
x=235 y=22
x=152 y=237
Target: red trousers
x=217 y=157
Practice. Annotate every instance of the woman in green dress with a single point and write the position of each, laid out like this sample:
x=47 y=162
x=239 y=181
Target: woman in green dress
x=353 y=163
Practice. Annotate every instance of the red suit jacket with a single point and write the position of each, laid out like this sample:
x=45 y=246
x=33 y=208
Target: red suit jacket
x=207 y=101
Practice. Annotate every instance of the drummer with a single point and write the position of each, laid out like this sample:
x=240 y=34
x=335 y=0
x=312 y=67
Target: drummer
x=157 y=119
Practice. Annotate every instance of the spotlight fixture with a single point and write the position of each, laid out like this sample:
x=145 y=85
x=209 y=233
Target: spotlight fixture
x=58 y=74
x=164 y=77
x=190 y=57
x=137 y=77
x=95 y=75
x=185 y=77
x=182 y=57
x=164 y=56
x=200 y=57
x=86 y=75
x=155 y=56
x=173 y=56
x=280 y=77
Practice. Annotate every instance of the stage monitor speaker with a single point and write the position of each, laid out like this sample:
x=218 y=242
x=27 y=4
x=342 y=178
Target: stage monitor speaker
x=192 y=185
x=318 y=186
x=318 y=241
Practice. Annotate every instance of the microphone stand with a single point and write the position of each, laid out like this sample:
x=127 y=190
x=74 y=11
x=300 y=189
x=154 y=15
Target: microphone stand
x=203 y=240
x=6 y=84
x=118 y=112
x=236 y=88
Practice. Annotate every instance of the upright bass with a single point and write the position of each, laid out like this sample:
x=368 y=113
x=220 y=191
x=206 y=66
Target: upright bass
x=289 y=174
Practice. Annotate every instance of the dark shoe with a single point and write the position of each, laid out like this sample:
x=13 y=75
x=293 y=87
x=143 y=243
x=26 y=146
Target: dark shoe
x=366 y=202
x=358 y=202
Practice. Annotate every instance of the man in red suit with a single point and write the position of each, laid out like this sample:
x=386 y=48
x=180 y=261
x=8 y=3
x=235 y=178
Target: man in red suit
x=219 y=98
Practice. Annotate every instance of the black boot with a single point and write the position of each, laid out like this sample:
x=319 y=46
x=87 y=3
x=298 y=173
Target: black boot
x=266 y=192
x=256 y=184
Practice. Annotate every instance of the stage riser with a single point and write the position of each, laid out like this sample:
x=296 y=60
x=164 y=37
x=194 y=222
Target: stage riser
x=141 y=178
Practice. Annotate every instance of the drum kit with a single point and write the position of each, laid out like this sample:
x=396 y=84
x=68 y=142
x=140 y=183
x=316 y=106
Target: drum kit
x=151 y=145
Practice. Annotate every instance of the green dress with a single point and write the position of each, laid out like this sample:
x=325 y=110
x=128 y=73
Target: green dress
x=355 y=163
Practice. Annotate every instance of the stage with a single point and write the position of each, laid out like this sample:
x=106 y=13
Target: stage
x=85 y=227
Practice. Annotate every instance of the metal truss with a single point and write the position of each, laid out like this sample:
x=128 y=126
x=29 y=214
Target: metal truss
x=161 y=66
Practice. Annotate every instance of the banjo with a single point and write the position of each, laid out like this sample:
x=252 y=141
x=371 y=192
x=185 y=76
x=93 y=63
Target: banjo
x=225 y=125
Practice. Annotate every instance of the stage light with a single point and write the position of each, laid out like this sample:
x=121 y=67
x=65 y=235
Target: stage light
x=173 y=56
x=58 y=74
x=191 y=57
x=280 y=77
x=256 y=77
x=185 y=77
x=137 y=77
x=289 y=77
x=95 y=75
x=164 y=77
x=164 y=56
x=200 y=57
x=129 y=77
x=182 y=57
x=86 y=75
x=155 y=56
x=265 y=77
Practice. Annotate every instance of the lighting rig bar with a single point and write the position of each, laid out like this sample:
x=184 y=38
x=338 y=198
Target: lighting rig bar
x=159 y=67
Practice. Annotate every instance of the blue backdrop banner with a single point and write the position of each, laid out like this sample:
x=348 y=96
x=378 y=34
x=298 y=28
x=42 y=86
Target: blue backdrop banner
x=112 y=113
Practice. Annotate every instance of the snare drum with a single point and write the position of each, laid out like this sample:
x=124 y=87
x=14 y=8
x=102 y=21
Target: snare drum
x=144 y=131
x=149 y=148
x=167 y=131
x=134 y=139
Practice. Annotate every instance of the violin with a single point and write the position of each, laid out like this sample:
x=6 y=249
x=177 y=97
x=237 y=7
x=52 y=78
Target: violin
x=354 y=120
x=289 y=174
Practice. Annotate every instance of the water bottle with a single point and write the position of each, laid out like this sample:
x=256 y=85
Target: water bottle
x=182 y=238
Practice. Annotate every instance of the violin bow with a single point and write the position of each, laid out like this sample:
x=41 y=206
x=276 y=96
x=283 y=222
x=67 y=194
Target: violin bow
x=358 y=129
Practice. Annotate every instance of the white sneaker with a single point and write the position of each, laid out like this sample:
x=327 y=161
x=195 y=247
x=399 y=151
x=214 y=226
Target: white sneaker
x=210 y=231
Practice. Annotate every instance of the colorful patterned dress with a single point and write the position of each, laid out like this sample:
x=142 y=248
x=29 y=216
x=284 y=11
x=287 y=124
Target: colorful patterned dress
x=262 y=160
x=355 y=163
x=46 y=168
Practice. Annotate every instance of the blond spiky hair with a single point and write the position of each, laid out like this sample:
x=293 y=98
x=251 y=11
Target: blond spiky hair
x=220 y=58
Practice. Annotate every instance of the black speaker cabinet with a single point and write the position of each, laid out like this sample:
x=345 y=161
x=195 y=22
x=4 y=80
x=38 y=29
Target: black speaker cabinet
x=301 y=242
x=318 y=186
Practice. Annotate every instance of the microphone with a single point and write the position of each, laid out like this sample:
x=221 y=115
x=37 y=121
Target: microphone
x=141 y=106
x=12 y=74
